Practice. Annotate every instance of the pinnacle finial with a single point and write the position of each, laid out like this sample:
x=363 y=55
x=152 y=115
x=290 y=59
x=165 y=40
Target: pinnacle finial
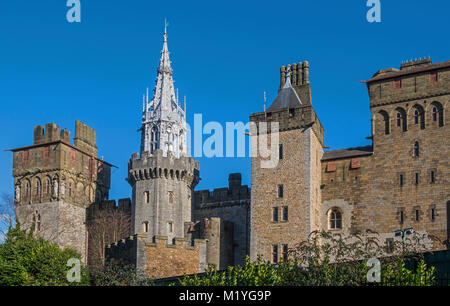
x=165 y=29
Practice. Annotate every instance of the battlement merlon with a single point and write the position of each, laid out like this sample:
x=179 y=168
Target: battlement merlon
x=158 y=242
x=122 y=205
x=85 y=137
x=50 y=133
x=297 y=117
x=416 y=80
x=156 y=166
x=236 y=193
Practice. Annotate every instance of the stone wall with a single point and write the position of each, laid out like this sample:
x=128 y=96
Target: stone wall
x=231 y=205
x=372 y=195
x=54 y=184
x=160 y=259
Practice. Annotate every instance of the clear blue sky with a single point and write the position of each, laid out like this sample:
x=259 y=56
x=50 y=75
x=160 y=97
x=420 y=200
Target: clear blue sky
x=225 y=54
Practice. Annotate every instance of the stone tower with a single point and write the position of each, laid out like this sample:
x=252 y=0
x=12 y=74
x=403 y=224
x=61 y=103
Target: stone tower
x=285 y=198
x=56 y=181
x=162 y=177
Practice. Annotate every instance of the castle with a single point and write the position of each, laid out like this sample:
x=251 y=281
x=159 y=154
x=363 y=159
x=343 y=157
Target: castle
x=400 y=182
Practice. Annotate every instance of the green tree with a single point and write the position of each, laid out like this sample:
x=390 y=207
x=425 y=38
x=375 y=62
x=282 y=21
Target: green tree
x=29 y=260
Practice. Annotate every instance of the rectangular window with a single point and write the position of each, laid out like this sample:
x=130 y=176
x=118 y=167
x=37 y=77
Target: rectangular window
x=433 y=77
x=417 y=179
x=280 y=152
x=275 y=214
x=274 y=253
x=402 y=217
x=397 y=84
x=285 y=213
x=285 y=252
x=170 y=227
x=280 y=191
x=401 y=180
x=417 y=215
x=433 y=214
x=432 y=177
x=147 y=196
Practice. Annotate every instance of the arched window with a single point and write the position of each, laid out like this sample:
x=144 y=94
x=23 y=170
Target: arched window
x=38 y=187
x=386 y=121
x=419 y=116
x=416 y=149
x=335 y=219
x=145 y=226
x=401 y=118
x=437 y=113
x=27 y=188
x=47 y=185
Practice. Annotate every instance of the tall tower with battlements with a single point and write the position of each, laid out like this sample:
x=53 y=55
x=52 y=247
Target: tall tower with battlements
x=286 y=197
x=56 y=181
x=162 y=177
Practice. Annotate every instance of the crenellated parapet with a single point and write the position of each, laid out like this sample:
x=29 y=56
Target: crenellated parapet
x=235 y=194
x=158 y=166
x=151 y=257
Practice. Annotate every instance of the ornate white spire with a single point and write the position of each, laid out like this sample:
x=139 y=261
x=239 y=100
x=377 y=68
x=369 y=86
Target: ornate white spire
x=163 y=120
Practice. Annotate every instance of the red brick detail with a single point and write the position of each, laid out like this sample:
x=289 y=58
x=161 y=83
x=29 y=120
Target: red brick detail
x=356 y=163
x=25 y=155
x=45 y=152
x=331 y=166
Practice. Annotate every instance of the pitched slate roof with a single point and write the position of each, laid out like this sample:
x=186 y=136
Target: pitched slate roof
x=347 y=153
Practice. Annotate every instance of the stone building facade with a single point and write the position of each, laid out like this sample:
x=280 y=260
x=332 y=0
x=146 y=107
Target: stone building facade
x=399 y=182
x=55 y=182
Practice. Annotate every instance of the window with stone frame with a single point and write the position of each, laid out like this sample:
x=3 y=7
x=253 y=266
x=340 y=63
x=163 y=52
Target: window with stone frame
x=275 y=214
x=147 y=196
x=285 y=213
x=171 y=197
x=402 y=216
x=275 y=253
x=433 y=213
x=280 y=191
x=145 y=226
x=417 y=215
x=280 y=151
x=416 y=151
x=432 y=176
x=285 y=253
x=170 y=227
x=335 y=219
